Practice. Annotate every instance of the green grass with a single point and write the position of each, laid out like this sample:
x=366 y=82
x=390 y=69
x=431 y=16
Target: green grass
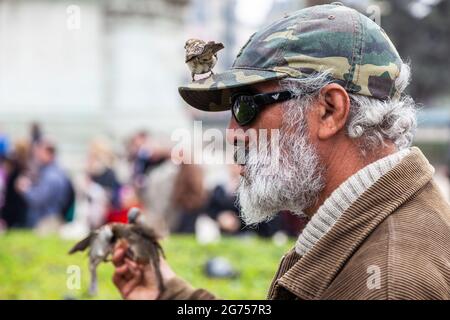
x=33 y=267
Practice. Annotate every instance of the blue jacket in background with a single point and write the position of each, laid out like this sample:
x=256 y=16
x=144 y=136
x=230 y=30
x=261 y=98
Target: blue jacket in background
x=48 y=195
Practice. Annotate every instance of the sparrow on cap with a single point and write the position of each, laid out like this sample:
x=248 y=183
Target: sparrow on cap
x=201 y=56
x=143 y=246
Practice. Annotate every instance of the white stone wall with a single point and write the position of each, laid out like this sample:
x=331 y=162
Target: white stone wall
x=118 y=72
x=113 y=75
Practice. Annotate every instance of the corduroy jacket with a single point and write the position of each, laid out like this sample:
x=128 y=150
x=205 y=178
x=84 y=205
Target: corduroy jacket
x=393 y=242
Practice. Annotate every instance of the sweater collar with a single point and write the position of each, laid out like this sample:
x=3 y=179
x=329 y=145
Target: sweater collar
x=312 y=274
x=342 y=198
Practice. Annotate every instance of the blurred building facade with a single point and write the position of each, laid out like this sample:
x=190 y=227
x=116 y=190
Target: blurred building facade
x=89 y=68
x=109 y=67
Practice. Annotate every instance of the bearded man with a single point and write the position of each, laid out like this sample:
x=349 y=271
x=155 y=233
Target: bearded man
x=332 y=84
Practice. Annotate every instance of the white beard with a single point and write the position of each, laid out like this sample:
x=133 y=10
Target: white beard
x=293 y=183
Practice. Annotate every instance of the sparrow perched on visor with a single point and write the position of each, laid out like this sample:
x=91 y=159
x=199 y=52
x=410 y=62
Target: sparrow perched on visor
x=201 y=56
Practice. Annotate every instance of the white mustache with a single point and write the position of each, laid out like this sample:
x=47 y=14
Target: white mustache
x=241 y=156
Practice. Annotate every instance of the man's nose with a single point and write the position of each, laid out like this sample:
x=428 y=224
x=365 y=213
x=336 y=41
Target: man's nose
x=235 y=133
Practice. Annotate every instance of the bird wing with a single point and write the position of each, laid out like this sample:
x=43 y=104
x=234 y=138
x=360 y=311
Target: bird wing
x=212 y=48
x=146 y=249
x=146 y=242
x=83 y=244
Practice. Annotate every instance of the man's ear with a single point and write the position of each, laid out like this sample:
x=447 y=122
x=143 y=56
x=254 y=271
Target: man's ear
x=334 y=106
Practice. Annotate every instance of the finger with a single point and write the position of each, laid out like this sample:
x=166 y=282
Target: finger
x=122 y=270
x=119 y=281
x=136 y=279
x=121 y=276
x=132 y=264
x=118 y=256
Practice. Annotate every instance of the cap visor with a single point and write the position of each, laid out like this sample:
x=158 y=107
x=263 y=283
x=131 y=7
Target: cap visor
x=213 y=93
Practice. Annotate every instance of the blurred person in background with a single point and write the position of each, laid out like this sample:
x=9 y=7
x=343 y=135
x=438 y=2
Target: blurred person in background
x=100 y=170
x=15 y=207
x=3 y=225
x=2 y=181
x=99 y=189
x=4 y=149
x=49 y=194
x=189 y=197
x=156 y=193
x=128 y=199
x=93 y=205
x=144 y=154
x=35 y=133
x=222 y=203
x=4 y=144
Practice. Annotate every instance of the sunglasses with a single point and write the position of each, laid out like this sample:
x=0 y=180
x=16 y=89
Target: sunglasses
x=246 y=107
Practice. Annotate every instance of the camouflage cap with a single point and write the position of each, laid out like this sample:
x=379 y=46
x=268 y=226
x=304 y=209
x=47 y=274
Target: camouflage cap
x=354 y=49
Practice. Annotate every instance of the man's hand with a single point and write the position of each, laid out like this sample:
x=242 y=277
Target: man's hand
x=137 y=281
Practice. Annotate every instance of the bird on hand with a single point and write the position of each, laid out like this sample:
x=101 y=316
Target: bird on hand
x=143 y=246
x=201 y=56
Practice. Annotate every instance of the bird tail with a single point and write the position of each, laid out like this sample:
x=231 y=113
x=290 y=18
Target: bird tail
x=213 y=47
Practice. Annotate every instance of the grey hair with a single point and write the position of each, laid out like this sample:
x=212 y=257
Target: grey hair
x=370 y=120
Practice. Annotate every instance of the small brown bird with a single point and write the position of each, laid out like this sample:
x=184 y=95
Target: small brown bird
x=143 y=246
x=201 y=56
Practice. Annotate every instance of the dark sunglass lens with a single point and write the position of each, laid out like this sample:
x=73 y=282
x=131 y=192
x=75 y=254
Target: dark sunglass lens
x=243 y=110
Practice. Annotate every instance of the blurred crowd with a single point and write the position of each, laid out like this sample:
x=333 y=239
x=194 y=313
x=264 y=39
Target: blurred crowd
x=36 y=192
